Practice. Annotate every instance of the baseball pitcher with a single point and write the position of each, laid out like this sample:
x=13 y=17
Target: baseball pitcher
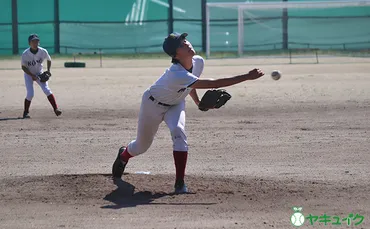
x=165 y=101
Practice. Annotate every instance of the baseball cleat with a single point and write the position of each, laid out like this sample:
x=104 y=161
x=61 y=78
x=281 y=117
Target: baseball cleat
x=57 y=112
x=119 y=166
x=26 y=115
x=180 y=187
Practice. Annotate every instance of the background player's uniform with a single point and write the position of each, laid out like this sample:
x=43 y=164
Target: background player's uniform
x=34 y=64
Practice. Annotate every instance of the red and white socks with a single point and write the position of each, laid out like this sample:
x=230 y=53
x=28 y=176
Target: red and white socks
x=180 y=158
x=52 y=101
x=125 y=156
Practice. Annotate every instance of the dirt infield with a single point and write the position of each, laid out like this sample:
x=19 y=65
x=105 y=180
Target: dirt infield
x=301 y=141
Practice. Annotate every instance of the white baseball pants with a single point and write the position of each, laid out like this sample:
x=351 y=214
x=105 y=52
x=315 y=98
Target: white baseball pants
x=151 y=116
x=29 y=87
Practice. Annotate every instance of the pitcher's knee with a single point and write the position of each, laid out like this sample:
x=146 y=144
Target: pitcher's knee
x=179 y=139
x=136 y=147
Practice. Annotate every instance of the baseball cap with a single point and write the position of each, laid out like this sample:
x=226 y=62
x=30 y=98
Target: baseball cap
x=172 y=42
x=33 y=37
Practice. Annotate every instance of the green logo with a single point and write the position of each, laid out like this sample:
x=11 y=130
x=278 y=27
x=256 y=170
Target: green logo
x=298 y=219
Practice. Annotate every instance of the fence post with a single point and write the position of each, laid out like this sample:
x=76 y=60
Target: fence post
x=56 y=27
x=15 y=27
x=285 y=27
x=317 y=57
x=204 y=26
x=170 y=16
x=101 y=58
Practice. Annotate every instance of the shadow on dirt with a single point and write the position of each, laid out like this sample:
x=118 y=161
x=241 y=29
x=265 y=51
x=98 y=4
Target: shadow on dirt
x=124 y=196
x=10 y=119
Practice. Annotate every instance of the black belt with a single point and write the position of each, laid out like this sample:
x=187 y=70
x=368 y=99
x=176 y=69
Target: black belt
x=163 y=104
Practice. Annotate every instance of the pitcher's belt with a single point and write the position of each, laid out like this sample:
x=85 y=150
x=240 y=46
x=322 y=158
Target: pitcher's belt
x=154 y=100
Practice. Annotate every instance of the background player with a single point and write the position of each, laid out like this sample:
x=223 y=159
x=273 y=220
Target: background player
x=32 y=59
x=165 y=101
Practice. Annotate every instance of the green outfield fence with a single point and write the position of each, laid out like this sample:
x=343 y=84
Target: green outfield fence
x=139 y=26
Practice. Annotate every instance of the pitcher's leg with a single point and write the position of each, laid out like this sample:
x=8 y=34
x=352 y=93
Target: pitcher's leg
x=175 y=120
x=150 y=117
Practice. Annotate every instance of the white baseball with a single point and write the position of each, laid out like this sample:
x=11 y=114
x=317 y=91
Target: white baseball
x=276 y=74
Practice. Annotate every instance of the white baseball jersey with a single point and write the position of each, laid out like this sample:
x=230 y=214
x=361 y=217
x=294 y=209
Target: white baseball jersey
x=34 y=61
x=173 y=86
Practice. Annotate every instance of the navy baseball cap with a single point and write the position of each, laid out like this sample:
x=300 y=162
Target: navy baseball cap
x=172 y=42
x=33 y=37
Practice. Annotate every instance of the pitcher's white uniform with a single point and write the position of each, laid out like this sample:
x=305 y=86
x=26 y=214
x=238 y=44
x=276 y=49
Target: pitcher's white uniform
x=169 y=93
x=34 y=64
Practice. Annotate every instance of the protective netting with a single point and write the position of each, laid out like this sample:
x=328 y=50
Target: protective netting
x=6 y=27
x=139 y=26
x=114 y=26
x=329 y=28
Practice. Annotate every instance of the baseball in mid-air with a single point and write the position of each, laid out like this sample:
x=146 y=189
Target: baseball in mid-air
x=276 y=74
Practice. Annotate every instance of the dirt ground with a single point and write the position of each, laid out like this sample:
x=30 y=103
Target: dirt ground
x=300 y=141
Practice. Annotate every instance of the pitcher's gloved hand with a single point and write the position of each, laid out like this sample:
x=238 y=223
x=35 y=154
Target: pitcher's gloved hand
x=213 y=99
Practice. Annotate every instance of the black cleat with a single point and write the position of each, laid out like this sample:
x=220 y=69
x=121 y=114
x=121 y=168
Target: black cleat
x=26 y=115
x=180 y=187
x=119 y=166
x=57 y=112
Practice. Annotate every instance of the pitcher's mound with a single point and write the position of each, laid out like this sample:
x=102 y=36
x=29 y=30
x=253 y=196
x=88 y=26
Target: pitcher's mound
x=140 y=189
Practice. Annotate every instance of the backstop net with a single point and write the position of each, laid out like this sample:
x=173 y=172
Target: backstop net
x=248 y=28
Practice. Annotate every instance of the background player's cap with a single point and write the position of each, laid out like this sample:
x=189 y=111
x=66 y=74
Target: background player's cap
x=33 y=37
x=172 y=42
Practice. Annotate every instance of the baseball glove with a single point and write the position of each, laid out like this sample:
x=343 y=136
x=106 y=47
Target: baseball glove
x=45 y=76
x=215 y=98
